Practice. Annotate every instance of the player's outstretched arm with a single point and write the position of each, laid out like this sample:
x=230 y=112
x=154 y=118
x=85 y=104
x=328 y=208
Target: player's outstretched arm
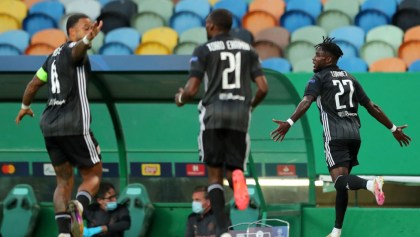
x=283 y=126
x=31 y=89
x=79 y=51
x=397 y=131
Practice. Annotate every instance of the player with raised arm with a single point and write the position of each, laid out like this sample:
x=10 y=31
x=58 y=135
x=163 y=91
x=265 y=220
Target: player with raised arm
x=338 y=95
x=65 y=123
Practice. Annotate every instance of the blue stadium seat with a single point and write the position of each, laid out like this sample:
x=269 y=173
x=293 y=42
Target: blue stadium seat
x=126 y=35
x=352 y=34
x=37 y=22
x=115 y=48
x=277 y=64
x=387 y=7
x=295 y=19
x=312 y=7
x=199 y=7
x=347 y=47
x=9 y=50
x=414 y=66
x=352 y=64
x=237 y=7
x=182 y=21
x=18 y=38
x=54 y=9
x=370 y=18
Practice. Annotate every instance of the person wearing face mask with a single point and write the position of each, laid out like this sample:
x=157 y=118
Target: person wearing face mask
x=106 y=218
x=202 y=221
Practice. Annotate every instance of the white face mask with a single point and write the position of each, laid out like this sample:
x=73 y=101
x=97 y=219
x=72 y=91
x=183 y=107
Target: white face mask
x=110 y=206
x=197 y=207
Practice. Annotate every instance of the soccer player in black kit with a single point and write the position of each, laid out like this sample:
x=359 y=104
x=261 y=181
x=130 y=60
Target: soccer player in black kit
x=65 y=123
x=227 y=66
x=338 y=95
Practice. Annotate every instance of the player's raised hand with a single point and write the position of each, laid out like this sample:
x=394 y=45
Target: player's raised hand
x=22 y=113
x=280 y=132
x=401 y=137
x=94 y=29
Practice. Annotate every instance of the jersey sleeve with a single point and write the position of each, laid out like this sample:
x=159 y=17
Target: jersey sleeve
x=198 y=62
x=361 y=94
x=256 y=69
x=313 y=87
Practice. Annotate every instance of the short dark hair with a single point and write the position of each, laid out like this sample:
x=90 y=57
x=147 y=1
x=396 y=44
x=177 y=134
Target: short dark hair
x=202 y=188
x=222 y=18
x=329 y=46
x=73 y=19
x=104 y=187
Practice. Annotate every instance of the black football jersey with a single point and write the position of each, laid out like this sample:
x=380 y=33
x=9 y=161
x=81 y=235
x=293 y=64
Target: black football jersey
x=67 y=111
x=227 y=66
x=338 y=95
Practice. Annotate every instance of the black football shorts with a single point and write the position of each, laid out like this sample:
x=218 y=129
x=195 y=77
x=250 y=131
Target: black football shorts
x=224 y=147
x=80 y=150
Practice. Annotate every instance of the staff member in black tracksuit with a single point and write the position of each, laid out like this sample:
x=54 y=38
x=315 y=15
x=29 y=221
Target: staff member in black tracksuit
x=202 y=222
x=106 y=218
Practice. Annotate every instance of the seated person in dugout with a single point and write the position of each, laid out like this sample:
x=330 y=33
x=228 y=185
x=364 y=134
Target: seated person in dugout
x=201 y=222
x=106 y=217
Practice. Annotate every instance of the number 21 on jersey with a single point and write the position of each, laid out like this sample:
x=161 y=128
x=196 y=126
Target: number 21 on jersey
x=234 y=67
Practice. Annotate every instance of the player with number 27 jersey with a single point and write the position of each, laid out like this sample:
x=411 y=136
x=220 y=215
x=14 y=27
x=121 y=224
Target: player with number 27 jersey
x=67 y=111
x=338 y=95
x=228 y=66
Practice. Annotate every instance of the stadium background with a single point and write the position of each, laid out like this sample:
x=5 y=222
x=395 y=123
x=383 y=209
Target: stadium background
x=138 y=126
